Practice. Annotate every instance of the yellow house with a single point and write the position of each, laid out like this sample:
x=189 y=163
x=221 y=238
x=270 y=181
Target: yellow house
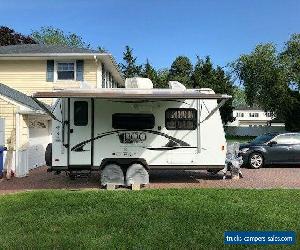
x=34 y=67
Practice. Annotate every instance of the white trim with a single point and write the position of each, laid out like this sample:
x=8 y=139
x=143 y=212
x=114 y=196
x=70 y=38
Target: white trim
x=55 y=70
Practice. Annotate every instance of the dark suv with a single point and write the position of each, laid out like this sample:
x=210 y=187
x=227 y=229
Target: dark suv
x=271 y=148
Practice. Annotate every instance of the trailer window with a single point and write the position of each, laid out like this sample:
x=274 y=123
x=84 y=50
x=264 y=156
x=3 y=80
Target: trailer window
x=181 y=119
x=81 y=115
x=133 y=121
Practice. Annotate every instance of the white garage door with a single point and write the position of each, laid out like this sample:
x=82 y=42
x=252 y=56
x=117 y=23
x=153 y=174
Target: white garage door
x=39 y=137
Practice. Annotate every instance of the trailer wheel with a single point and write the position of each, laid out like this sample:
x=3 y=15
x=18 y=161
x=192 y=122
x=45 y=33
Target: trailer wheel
x=137 y=174
x=48 y=155
x=112 y=174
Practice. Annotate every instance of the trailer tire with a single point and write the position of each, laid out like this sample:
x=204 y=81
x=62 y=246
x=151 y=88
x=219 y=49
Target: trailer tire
x=112 y=174
x=48 y=155
x=137 y=174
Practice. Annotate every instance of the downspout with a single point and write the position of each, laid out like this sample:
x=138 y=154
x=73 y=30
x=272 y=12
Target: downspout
x=17 y=146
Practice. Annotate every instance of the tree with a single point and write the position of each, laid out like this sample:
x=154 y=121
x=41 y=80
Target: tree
x=291 y=56
x=55 y=36
x=268 y=79
x=129 y=68
x=265 y=79
x=162 y=78
x=206 y=76
x=10 y=37
x=203 y=74
x=239 y=97
x=101 y=49
x=181 y=70
x=149 y=72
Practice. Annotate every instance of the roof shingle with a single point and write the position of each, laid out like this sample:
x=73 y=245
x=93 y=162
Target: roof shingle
x=42 y=49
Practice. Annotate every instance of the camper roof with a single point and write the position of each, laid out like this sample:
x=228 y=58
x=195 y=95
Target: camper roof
x=137 y=94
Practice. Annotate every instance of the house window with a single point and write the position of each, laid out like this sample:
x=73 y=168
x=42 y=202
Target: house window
x=181 y=119
x=253 y=114
x=65 y=71
x=239 y=114
x=133 y=121
x=81 y=115
x=268 y=114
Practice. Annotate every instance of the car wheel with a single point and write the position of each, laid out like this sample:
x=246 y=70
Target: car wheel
x=256 y=160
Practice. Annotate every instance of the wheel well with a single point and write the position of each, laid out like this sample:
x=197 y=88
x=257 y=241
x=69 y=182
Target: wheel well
x=124 y=163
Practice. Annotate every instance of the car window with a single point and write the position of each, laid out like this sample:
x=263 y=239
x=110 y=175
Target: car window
x=285 y=139
x=262 y=139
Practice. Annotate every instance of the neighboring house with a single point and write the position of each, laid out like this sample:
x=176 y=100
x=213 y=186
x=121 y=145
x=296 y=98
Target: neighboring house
x=253 y=121
x=34 y=67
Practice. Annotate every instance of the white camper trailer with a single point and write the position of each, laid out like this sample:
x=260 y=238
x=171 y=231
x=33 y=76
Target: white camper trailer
x=125 y=133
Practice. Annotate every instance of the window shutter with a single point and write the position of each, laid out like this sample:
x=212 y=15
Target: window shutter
x=79 y=70
x=50 y=71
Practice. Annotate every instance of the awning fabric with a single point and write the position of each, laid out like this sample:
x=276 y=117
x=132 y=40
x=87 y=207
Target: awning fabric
x=131 y=94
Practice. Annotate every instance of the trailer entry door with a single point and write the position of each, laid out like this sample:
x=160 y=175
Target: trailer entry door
x=80 y=130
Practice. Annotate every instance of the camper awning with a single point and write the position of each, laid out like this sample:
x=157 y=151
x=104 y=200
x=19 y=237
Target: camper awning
x=131 y=94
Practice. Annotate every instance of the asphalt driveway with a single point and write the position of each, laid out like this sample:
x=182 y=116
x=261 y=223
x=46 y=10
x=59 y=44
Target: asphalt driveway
x=253 y=178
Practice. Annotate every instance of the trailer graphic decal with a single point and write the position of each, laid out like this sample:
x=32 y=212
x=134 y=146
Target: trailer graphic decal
x=129 y=136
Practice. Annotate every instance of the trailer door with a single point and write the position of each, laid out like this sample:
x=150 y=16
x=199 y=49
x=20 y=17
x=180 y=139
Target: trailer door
x=80 y=133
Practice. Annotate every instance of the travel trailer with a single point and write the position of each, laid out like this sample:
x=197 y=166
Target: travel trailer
x=125 y=133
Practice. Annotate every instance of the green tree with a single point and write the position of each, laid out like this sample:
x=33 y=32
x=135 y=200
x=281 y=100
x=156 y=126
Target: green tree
x=148 y=71
x=55 y=36
x=206 y=76
x=9 y=37
x=162 y=78
x=129 y=68
x=265 y=79
x=239 y=97
x=271 y=80
x=181 y=71
x=101 y=49
x=203 y=74
x=291 y=56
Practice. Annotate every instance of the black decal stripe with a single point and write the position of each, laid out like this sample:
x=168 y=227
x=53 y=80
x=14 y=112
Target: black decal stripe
x=80 y=145
x=168 y=148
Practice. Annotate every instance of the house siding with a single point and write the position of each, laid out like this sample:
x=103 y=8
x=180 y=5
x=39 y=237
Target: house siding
x=29 y=76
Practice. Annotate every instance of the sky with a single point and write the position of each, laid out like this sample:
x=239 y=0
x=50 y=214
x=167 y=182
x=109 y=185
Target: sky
x=161 y=30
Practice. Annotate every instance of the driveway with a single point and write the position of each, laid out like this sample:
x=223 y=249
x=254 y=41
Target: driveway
x=253 y=178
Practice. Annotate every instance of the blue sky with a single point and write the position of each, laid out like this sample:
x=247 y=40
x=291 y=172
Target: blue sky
x=162 y=29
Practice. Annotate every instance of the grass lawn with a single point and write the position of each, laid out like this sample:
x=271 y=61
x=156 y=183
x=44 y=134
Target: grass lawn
x=148 y=219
